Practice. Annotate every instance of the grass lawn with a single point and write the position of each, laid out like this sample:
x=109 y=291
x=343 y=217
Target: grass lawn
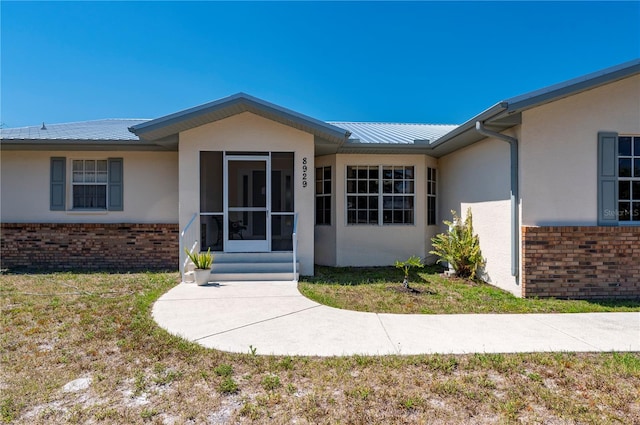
x=376 y=289
x=57 y=328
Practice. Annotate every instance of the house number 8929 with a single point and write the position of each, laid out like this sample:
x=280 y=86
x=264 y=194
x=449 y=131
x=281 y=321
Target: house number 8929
x=304 y=172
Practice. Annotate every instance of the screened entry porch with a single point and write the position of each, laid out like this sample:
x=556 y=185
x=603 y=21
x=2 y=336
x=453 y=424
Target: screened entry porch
x=246 y=201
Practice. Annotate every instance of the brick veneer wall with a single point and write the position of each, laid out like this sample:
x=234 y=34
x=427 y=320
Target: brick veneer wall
x=585 y=262
x=78 y=246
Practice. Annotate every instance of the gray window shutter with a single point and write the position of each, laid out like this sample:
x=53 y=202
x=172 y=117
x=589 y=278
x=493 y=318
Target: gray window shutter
x=607 y=179
x=115 y=201
x=57 y=192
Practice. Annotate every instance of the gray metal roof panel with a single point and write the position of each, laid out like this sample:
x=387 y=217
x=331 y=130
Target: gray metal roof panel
x=97 y=130
x=393 y=133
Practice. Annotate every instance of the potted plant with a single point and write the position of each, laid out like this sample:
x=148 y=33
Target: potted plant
x=203 y=262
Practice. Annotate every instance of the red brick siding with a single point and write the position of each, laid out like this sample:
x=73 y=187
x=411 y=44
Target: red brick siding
x=121 y=247
x=581 y=262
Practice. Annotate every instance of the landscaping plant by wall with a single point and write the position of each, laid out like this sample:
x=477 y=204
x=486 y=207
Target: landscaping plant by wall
x=459 y=247
x=405 y=266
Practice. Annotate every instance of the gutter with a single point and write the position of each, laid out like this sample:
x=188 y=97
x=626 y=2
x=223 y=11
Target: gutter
x=515 y=234
x=468 y=125
x=85 y=145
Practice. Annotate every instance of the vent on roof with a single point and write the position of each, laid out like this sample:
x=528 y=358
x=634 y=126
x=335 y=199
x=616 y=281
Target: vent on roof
x=44 y=127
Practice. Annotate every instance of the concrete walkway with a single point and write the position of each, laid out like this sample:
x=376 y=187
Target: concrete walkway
x=275 y=318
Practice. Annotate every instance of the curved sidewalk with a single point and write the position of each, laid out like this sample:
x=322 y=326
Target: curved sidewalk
x=274 y=318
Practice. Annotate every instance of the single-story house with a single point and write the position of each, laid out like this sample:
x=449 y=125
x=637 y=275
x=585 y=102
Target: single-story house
x=552 y=178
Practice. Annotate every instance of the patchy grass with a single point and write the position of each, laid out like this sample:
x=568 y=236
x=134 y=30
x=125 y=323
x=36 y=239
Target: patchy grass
x=60 y=327
x=379 y=289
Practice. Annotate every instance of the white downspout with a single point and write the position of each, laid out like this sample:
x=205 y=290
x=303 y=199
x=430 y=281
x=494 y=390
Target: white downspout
x=515 y=228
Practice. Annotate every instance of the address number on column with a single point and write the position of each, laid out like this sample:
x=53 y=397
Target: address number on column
x=305 y=169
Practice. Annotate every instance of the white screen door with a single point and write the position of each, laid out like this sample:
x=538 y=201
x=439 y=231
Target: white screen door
x=247 y=203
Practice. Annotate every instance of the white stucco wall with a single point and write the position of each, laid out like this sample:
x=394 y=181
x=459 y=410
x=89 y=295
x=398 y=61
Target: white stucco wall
x=250 y=132
x=559 y=151
x=150 y=188
x=325 y=235
x=478 y=176
x=372 y=245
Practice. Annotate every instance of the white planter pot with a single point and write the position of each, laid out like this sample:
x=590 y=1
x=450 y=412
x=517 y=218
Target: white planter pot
x=203 y=276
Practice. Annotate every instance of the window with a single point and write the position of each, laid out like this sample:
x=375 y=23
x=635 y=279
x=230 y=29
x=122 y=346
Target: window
x=618 y=179
x=323 y=195
x=94 y=184
x=431 y=196
x=89 y=184
x=375 y=189
x=629 y=179
x=362 y=194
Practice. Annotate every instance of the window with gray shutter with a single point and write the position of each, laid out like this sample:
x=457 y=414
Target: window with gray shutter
x=618 y=179
x=94 y=184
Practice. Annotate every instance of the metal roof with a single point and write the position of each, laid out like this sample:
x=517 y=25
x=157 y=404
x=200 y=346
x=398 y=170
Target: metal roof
x=393 y=133
x=117 y=130
x=433 y=139
x=113 y=134
x=170 y=125
x=507 y=113
x=573 y=86
x=98 y=130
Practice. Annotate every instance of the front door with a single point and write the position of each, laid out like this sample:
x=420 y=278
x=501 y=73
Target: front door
x=247 y=203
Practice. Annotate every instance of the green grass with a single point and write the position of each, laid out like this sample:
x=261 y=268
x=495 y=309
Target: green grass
x=378 y=289
x=60 y=327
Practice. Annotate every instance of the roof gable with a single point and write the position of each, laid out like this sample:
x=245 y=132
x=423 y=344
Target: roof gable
x=169 y=126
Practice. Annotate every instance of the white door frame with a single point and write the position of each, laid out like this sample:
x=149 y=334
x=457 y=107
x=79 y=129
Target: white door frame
x=236 y=245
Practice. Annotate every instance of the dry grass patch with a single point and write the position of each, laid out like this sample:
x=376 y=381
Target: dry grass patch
x=379 y=289
x=57 y=328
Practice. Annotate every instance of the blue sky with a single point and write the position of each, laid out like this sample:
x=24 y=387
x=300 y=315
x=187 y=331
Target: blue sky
x=433 y=62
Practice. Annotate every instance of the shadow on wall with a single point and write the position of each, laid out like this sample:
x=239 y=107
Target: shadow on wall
x=478 y=173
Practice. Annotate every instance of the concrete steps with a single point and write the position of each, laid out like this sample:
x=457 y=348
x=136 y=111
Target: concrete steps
x=252 y=266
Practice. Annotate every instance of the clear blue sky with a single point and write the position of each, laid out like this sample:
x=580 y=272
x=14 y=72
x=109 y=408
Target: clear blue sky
x=365 y=61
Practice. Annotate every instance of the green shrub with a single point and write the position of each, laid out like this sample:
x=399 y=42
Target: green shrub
x=459 y=246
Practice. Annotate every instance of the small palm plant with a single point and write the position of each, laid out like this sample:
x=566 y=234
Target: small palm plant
x=413 y=261
x=202 y=260
x=459 y=247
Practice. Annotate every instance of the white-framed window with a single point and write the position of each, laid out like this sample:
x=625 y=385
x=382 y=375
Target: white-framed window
x=380 y=194
x=431 y=196
x=323 y=196
x=86 y=184
x=89 y=179
x=629 y=179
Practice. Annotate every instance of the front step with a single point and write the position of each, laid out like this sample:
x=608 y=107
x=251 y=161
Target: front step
x=253 y=266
